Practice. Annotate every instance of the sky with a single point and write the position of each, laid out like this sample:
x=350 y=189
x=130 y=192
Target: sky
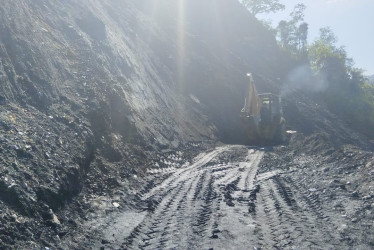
x=352 y=21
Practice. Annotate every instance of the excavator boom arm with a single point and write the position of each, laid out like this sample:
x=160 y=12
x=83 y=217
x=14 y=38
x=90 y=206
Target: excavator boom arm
x=252 y=102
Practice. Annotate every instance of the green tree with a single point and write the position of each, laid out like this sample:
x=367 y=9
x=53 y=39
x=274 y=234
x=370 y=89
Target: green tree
x=325 y=57
x=284 y=31
x=327 y=36
x=262 y=6
x=293 y=34
x=302 y=36
x=298 y=13
x=348 y=94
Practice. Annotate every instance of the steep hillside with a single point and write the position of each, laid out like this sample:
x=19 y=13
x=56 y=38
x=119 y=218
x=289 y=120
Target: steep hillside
x=87 y=86
x=152 y=59
x=95 y=93
x=86 y=54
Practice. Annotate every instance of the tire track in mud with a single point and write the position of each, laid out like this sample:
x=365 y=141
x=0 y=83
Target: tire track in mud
x=282 y=222
x=251 y=170
x=162 y=222
x=183 y=214
x=186 y=203
x=314 y=215
x=184 y=173
x=210 y=204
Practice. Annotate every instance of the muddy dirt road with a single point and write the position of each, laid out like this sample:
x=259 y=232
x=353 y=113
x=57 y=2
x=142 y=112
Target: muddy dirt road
x=229 y=198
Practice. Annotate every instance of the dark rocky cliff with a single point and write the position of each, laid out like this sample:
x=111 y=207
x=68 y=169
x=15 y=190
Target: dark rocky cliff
x=92 y=91
x=148 y=59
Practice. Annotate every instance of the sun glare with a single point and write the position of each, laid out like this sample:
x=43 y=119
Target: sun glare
x=181 y=45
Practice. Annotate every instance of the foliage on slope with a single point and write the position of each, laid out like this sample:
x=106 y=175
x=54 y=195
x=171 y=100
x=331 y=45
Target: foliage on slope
x=348 y=93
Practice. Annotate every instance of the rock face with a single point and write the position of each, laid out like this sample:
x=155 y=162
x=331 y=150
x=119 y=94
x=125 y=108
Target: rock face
x=135 y=65
x=93 y=56
x=87 y=86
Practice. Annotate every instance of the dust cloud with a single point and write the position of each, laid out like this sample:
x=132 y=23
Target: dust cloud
x=302 y=78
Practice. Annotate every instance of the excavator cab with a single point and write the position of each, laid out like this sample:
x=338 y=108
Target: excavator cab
x=271 y=110
x=262 y=117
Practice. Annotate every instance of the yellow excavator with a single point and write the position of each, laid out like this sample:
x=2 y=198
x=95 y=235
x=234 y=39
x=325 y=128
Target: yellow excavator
x=262 y=117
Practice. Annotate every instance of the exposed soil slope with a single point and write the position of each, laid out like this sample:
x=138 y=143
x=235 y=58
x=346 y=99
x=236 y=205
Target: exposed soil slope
x=103 y=104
